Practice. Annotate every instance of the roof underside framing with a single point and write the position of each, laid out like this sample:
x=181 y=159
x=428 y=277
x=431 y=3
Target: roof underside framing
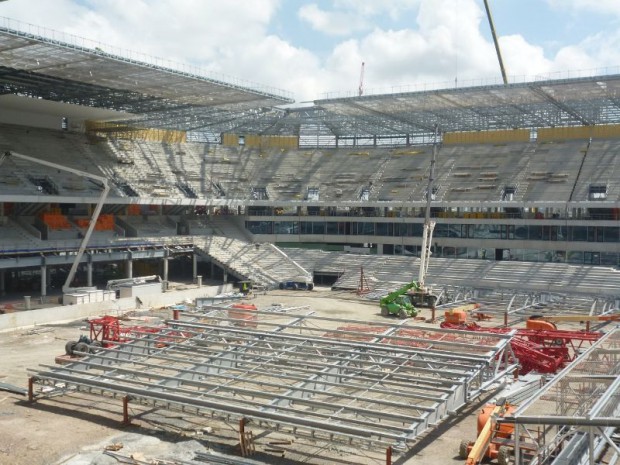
x=357 y=384
x=39 y=67
x=153 y=95
x=568 y=102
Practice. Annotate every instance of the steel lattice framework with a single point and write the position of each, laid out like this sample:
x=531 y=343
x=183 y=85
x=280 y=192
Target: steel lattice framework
x=567 y=102
x=580 y=407
x=157 y=96
x=364 y=384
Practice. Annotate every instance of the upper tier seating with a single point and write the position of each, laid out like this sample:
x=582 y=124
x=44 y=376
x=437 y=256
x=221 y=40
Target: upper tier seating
x=556 y=171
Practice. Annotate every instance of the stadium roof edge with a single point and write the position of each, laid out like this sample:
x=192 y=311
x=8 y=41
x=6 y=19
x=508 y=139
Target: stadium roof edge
x=75 y=67
x=149 y=94
x=97 y=49
x=483 y=87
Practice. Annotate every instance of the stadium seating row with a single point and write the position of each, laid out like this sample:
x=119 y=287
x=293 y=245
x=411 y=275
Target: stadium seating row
x=559 y=171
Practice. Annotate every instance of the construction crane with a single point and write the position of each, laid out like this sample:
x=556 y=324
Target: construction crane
x=422 y=295
x=93 y=221
x=495 y=41
x=361 y=86
x=418 y=294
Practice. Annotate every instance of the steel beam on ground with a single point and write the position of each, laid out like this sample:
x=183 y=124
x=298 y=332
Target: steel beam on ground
x=371 y=393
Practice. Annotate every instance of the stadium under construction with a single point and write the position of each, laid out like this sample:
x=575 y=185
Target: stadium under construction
x=119 y=176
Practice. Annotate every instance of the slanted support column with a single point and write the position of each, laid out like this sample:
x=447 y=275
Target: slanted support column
x=225 y=276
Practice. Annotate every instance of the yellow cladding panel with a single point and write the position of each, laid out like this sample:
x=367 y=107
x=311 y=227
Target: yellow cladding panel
x=550 y=134
x=608 y=130
x=487 y=137
x=230 y=139
x=121 y=131
x=579 y=132
x=256 y=141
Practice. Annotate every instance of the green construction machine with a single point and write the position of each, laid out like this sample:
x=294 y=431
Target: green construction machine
x=399 y=302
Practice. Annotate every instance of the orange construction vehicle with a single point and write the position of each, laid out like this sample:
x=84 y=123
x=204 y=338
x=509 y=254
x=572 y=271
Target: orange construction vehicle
x=492 y=436
x=459 y=315
x=547 y=322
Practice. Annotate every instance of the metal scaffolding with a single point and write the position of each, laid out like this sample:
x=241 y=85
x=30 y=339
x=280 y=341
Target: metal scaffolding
x=322 y=378
x=574 y=419
x=154 y=94
x=70 y=71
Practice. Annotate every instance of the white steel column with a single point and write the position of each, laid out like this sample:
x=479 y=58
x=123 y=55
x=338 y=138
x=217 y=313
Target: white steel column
x=89 y=271
x=43 y=280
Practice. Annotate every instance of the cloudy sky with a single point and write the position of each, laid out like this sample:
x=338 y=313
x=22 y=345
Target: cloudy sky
x=314 y=49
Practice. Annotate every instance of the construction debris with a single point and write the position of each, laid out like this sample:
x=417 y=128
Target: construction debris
x=14 y=389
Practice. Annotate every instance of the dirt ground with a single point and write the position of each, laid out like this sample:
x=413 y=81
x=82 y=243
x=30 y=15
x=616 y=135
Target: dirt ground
x=75 y=429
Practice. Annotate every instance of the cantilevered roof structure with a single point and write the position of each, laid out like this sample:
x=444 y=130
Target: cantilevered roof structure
x=156 y=93
x=288 y=371
x=553 y=103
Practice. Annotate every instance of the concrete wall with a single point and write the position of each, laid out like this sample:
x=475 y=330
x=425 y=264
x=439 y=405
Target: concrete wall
x=29 y=318
x=141 y=291
x=37 y=120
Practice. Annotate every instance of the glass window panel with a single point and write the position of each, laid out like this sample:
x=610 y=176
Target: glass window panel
x=318 y=228
x=611 y=234
x=575 y=257
x=609 y=259
x=535 y=233
x=382 y=229
x=578 y=233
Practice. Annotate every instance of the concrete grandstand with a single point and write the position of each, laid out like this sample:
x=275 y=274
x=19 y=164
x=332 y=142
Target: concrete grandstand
x=219 y=180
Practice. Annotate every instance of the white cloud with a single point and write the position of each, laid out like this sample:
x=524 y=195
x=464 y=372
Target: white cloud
x=370 y=8
x=447 y=44
x=522 y=60
x=446 y=40
x=332 y=23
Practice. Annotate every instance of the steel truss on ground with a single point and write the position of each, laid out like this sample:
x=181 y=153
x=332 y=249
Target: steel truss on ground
x=577 y=414
x=322 y=378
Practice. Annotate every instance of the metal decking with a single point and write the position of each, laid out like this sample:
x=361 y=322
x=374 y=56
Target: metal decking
x=323 y=378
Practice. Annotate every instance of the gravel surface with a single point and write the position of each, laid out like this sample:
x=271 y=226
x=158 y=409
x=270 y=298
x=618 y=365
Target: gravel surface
x=76 y=429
